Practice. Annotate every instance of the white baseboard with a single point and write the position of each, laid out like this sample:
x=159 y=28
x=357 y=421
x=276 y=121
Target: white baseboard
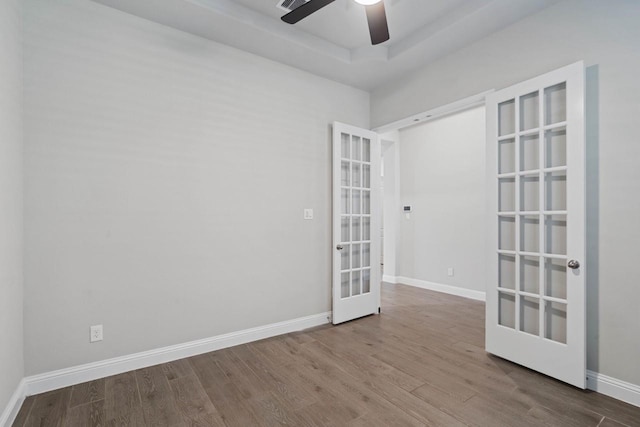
x=388 y=279
x=613 y=387
x=438 y=287
x=8 y=416
x=78 y=374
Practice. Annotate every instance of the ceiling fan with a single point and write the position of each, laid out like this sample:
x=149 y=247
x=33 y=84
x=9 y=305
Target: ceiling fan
x=376 y=16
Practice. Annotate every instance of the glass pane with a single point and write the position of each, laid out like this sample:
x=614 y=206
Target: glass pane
x=345 y=146
x=555 y=278
x=366 y=228
x=344 y=285
x=366 y=176
x=355 y=201
x=507 y=195
x=556 y=191
x=529 y=193
x=355 y=256
x=507 y=271
x=555 y=234
x=555 y=147
x=506 y=310
x=530 y=315
x=344 y=201
x=366 y=255
x=355 y=283
x=366 y=202
x=507 y=233
x=555 y=321
x=357 y=176
x=356 y=148
x=344 y=258
x=366 y=150
x=530 y=274
x=530 y=234
x=344 y=174
x=507 y=155
x=529 y=152
x=344 y=229
x=366 y=281
x=529 y=111
x=507 y=117
x=555 y=104
x=355 y=229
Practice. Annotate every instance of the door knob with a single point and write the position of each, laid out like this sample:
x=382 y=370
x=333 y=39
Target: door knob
x=339 y=247
x=573 y=264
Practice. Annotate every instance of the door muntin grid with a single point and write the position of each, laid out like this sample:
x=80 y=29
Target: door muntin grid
x=532 y=177
x=355 y=216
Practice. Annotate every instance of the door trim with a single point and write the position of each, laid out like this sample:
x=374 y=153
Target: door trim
x=460 y=105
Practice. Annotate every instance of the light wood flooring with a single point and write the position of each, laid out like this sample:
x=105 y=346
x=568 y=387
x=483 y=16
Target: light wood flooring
x=419 y=363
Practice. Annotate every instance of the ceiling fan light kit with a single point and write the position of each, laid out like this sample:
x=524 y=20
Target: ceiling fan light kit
x=376 y=16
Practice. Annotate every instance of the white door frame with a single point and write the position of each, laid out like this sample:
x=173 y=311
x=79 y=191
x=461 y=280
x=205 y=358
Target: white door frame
x=390 y=203
x=435 y=113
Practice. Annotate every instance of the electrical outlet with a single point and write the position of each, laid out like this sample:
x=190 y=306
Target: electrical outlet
x=96 y=333
x=308 y=214
x=450 y=271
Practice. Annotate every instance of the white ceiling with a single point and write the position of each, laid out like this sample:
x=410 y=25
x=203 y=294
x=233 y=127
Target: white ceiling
x=334 y=42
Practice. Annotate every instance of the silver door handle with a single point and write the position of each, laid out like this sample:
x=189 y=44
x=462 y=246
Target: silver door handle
x=339 y=247
x=573 y=264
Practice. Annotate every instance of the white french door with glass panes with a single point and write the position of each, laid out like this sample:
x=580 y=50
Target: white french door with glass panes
x=536 y=171
x=356 y=222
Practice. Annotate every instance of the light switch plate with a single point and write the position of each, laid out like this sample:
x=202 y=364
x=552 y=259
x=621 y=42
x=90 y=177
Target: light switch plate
x=308 y=214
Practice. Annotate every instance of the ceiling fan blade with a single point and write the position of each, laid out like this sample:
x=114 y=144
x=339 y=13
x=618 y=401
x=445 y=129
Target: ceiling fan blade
x=305 y=10
x=377 y=18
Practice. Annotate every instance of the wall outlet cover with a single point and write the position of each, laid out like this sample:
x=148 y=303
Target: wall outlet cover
x=96 y=333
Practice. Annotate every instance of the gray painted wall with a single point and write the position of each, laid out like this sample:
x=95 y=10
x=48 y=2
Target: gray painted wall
x=166 y=178
x=607 y=36
x=442 y=176
x=11 y=149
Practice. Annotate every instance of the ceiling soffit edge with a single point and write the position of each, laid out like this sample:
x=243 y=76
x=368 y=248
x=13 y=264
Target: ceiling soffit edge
x=384 y=53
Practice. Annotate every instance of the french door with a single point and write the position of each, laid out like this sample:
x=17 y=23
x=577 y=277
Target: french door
x=356 y=222
x=536 y=200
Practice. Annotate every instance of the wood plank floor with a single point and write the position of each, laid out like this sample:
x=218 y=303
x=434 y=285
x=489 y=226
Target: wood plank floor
x=419 y=363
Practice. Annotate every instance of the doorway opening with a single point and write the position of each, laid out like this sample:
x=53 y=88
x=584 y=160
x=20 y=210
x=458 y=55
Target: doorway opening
x=433 y=204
